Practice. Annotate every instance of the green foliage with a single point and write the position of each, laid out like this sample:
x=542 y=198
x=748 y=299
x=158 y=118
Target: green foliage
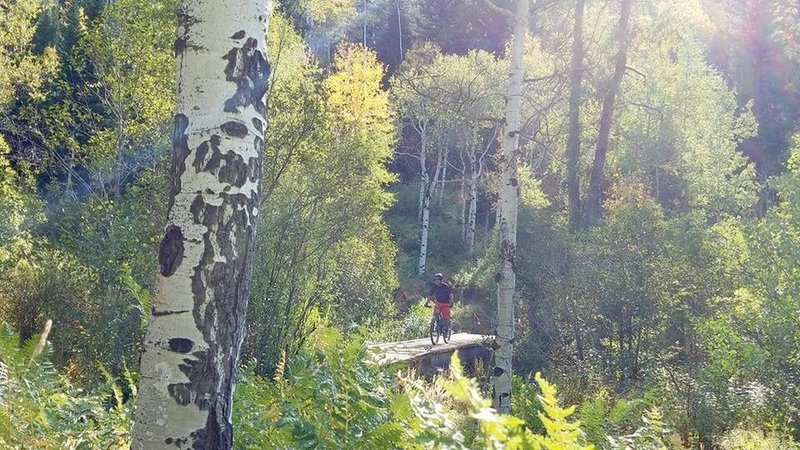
x=752 y=340
x=322 y=245
x=20 y=68
x=131 y=48
x=322 y=10
x=594 y=414
x=20 y=209
x=329 y=396
x=413 y=324
x=682 y=122
x=651 y=436
x=41 y=409
x=560 y=433
x=749 y=439
x=88 y=327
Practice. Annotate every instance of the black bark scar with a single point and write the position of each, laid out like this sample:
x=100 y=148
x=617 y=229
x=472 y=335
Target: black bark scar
x=167 y=313
x=170 y=253
x=185 y=23
x=248 y=68
x=180 y=151
x=235 y=129
x=229 y=167
x=180 y=345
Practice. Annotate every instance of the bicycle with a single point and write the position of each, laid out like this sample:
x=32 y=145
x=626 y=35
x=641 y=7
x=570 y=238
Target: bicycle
x=439 y=328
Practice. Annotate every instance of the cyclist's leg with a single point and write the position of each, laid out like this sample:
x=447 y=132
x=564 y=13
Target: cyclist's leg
x=445 y=308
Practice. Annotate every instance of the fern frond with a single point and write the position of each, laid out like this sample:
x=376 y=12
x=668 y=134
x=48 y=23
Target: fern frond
x=113 y=386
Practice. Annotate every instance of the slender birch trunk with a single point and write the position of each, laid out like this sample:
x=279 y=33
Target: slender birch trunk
x=473 y=213
x=476 y=171
x=399 y=29
x=473 y=204
x=463 y=196
x=423 y=185
x=426 y=213
x=196 y=328
x=509 y=201
x=443 y=179
x=594 y=198
x=423 y=240
x=423 y=169
x=574 y=141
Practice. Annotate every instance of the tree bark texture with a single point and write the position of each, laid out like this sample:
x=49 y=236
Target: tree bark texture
x=196 y=327
x=597 y=181
x=463 y=196
x=509 y=201
x=423 y=170
x=473 y=209
x=426 y=211
x=574 y=140
x=476 y=171
x=443 y=180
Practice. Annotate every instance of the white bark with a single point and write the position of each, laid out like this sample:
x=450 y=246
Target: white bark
x=476 y=170
x=443 y=179
x=423 y=242
x=423 y=169
x=423 y=184
x=426 y=213
x=509 y=200
x=473 y=207
x=463 y=193
x=197 y=323
x=399 y=29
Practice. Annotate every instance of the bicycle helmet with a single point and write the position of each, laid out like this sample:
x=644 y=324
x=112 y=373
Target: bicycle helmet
x=438 y=276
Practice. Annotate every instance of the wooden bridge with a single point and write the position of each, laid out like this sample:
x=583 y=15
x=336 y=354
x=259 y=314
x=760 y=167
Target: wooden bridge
x=428 y=358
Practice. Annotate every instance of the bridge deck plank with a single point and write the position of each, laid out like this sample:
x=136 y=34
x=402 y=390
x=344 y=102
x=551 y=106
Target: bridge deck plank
x=406 y=351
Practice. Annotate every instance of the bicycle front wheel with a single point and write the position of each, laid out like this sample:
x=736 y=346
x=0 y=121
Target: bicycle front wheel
x=434 y=332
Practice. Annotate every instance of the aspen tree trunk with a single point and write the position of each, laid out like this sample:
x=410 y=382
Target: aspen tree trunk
x=473 y=204
x=596 y=183
x=196 y=328
x=399 y=29
x=463 y=194
x=476 y=167
x=574 y=141
x=426 y=214
x=509 y=201
x=473 y=213
x=423 y=170
x=423 y=185
x=443 y=179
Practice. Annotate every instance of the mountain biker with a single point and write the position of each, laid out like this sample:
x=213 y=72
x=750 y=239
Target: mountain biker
x=442 y=297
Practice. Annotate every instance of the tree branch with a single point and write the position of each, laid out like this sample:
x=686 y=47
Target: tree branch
x=507 y=13
x=544 y=78
x=636 y=72
x=545 y=5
